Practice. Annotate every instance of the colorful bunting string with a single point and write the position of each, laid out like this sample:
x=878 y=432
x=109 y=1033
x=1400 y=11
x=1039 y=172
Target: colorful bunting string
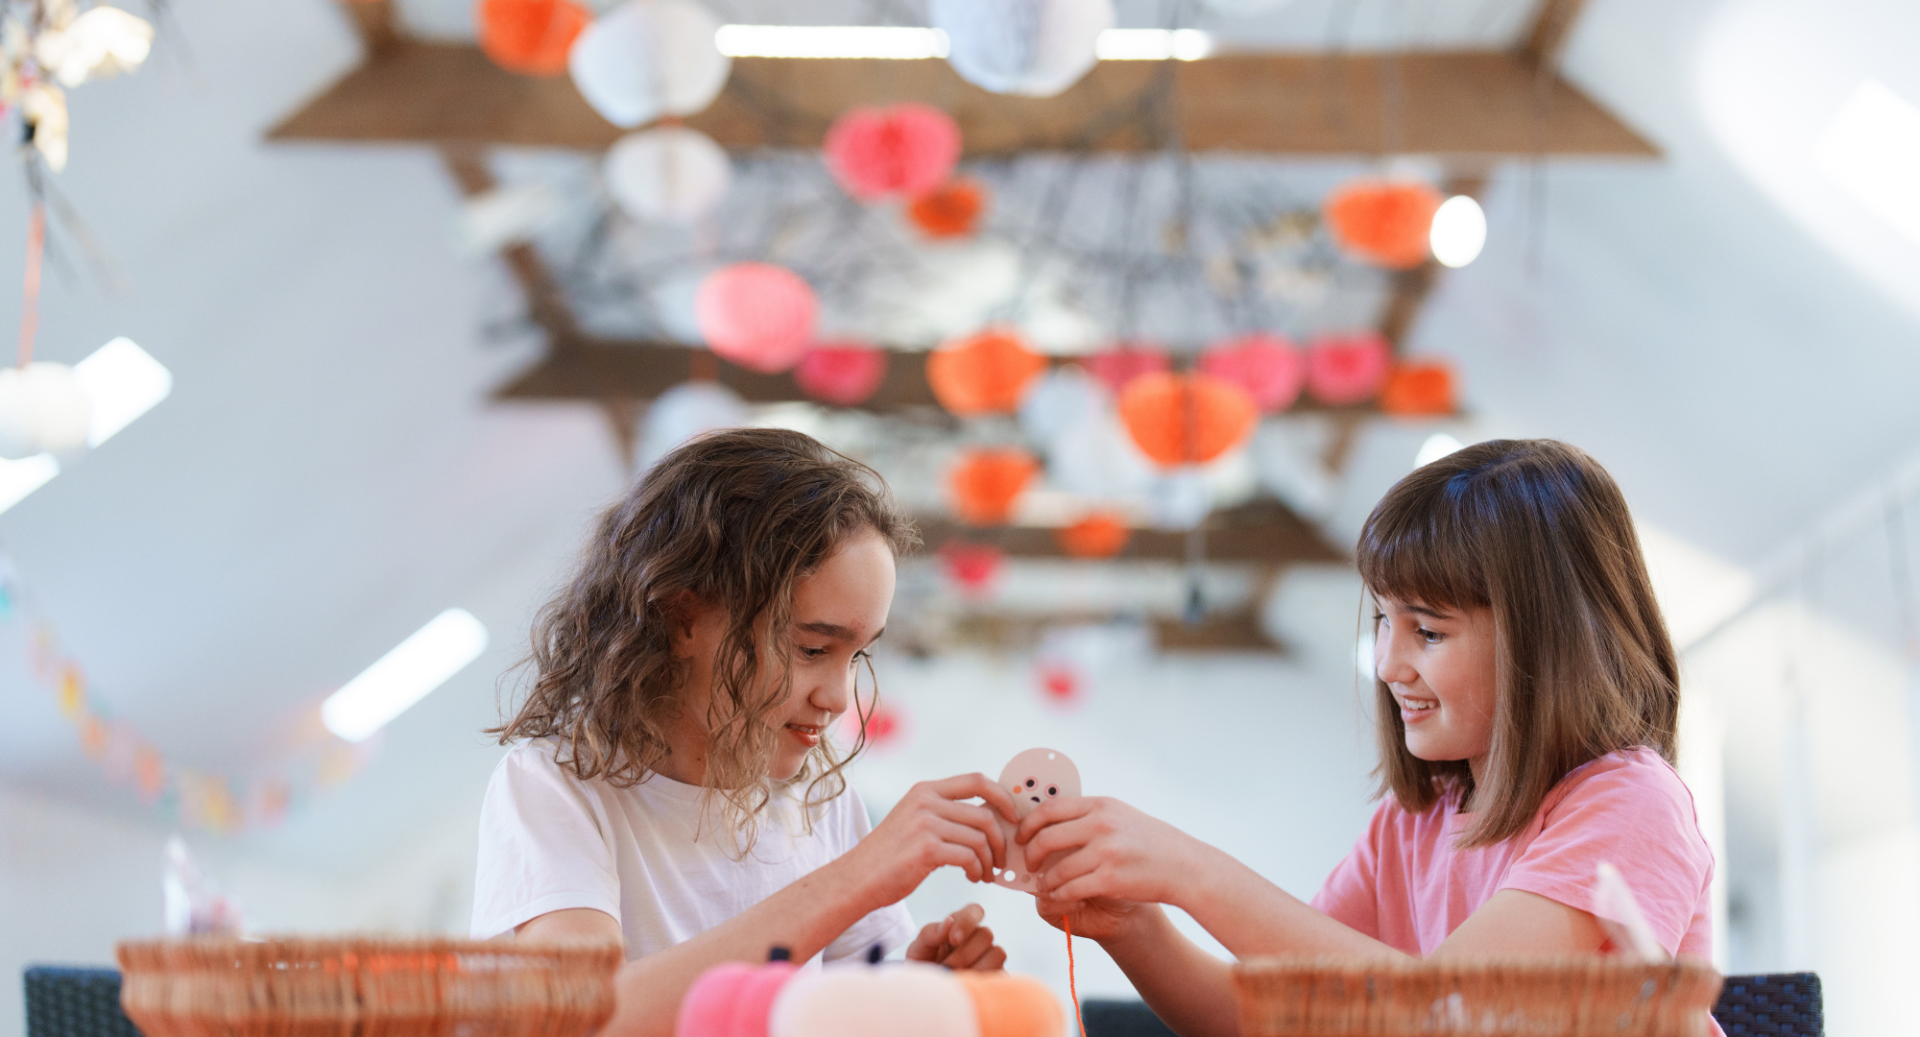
x=190 y=796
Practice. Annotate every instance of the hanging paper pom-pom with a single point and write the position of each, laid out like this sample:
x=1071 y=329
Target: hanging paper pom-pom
x=1099 y=535
x=988 y=373
x=1386 y=222
x=884 y=727
x=757 y=315
x=1419 y=390
x=841 y=373
x=972 y=567
x=649 y=58
x=530 y=37
x=1265 y=365
x=685 y=411
x=43 y=410
x=1187 y=419
x=1032 y=47
x=1348 y=369
x=985 y=482
x=904 y=149
x=668 y=174
x=1061 y=682
x=1126 y=361
x=951 y=210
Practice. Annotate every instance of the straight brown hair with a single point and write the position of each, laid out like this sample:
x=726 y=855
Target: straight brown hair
x=731 y=520
x=1539 y=533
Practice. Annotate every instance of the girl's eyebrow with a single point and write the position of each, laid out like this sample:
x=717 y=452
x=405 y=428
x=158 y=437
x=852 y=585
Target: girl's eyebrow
x=838 y=632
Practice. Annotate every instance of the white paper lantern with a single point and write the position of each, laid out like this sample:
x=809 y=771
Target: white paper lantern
x=1097 y=459
x=1063 y=399
x=649 y=58
x=668 y=175
x=1032 y=47
x=685 y=411
x=43 y=410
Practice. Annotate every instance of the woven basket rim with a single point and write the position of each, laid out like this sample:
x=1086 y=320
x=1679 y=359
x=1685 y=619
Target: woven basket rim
x=1542 y=966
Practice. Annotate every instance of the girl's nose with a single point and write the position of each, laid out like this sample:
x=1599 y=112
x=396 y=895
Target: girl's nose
x=833 y=696
x=1389 y=662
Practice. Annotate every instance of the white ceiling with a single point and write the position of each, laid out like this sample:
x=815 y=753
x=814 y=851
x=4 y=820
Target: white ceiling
x=327 y=476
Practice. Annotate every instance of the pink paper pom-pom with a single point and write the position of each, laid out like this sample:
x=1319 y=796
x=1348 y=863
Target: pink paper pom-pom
x=842 y=373
x=757 y=315
x=903 y=149
x=1346 y=369
x=1267 y=366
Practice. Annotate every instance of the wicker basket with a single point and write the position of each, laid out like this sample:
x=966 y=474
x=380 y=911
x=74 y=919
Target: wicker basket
x=365 y=987
x=1574 y=997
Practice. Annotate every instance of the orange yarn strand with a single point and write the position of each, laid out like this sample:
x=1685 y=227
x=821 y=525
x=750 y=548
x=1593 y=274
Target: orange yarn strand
x=1073 y=987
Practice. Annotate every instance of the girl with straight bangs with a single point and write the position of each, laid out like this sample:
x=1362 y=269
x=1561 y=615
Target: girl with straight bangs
x=1527 y=696
x=672 y=784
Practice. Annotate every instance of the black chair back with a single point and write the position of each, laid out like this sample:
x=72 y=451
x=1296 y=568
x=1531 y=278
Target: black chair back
x=1122 y=1019
x=1785 y=1004
x=75 y=1002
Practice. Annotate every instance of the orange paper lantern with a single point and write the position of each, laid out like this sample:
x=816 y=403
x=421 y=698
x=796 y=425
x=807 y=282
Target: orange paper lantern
x=949 y=211
x=1419 y=390
x=1186 y=419
x=531 y=37
x=988 y=373
x=1385 y=222
x=1099 y=535
x=986 y=482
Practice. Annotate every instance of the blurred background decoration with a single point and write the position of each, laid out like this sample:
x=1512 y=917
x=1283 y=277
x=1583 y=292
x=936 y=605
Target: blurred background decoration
x=1139 y=306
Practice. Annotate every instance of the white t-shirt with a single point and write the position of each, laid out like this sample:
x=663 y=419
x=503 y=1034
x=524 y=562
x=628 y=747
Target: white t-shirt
x=549 y=841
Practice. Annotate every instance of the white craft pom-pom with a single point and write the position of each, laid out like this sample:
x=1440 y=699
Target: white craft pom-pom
x=889 y=1000
x=649 y=58
x=671 y=174
x=1032 y=47
x=43 y=410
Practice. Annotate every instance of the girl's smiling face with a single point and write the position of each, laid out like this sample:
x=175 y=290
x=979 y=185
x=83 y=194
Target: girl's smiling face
x=1439 y=664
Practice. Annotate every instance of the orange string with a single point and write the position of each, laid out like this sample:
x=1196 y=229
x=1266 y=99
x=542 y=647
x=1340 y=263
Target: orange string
x=30 y=311
x=1073 y=988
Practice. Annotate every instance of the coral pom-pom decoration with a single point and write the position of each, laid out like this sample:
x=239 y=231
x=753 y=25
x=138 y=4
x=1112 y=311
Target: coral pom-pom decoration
x=1385 y=222
x=1099 y=535
x=841 y=373
x=949 y=211
x=903 y=149
x=1119 y=366
x=1012 y=1006
x=988 y=373
x=1348 y=369
x=986 y=482
x=972 y=566
x=530 y=37
x=732 y=1000
x=757 y=315
x=1268 y=367
x=1419 y=390
x=1186 y=419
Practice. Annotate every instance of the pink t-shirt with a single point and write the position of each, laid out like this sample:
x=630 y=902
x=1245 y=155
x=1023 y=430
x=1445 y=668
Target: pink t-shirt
x=1408 y=886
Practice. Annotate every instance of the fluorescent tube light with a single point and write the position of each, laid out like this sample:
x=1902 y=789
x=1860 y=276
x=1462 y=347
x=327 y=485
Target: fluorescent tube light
x=19 y=478
x=906 y=42
x=901 y=42
x=123 y=382
x=1153 y=45
x=1872 y=148
x=405 y=675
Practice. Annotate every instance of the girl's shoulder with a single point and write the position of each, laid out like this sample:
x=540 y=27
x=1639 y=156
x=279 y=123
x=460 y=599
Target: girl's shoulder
x=1636 y=774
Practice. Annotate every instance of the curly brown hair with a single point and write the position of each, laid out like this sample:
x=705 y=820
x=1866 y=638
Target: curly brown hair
x=1537 y=532
x=731 y=520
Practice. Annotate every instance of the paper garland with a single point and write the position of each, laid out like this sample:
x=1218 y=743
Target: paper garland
x=195 y=798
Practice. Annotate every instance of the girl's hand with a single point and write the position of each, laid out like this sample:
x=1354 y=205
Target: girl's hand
x=1101 y=919
x=960 y=942
x=929 y=828
x=1093 y=847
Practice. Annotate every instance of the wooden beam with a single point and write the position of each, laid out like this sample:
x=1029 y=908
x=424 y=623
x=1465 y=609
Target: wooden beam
x=1464 y=104
x=1236 y=631
x=374 y=21
x=1547 y=37
x=1263 y=532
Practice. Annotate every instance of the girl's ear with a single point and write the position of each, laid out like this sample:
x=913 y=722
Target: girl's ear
x=683 y=615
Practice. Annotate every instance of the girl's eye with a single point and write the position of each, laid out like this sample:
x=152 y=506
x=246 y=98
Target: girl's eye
x=859 y=657
x=813 y=653
x=1430 y=636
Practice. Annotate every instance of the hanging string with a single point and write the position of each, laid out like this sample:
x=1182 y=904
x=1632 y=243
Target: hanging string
x=1073 y=985
x=30 y=308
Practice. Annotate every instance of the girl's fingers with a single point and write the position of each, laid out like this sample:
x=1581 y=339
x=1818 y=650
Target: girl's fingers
x=1052 y=813
x=1085 y=887
x=928 y=945
x=979 y=819
x=976 y=786
x=962 y=922
x=1068 y=868
x=959 y=836
x=1062 y=837
x=977 y=944
x=995 y=958
x=959 y=856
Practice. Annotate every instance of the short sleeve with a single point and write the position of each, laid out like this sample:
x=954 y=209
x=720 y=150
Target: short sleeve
x=889 y=928
x=1350 y=895
x=1637 y=814
x=543 y=846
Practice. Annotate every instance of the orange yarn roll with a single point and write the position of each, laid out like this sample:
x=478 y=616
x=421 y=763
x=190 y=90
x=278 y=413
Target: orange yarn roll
x=1012 y=1006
